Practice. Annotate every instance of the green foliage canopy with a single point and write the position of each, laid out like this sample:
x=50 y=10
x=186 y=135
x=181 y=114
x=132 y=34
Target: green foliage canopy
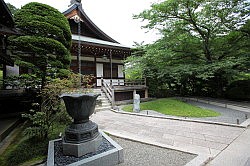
x=46 y=37
x=196 y=23
x=204 y=45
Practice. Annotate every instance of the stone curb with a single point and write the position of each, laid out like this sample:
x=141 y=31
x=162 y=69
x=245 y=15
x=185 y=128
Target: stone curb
x=245 y=124
x=200 y=160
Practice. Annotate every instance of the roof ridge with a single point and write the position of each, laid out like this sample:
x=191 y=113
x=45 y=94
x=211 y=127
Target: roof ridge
x=96 y=30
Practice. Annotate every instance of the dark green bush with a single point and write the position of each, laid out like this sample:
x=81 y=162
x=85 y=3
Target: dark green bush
x=239 y=90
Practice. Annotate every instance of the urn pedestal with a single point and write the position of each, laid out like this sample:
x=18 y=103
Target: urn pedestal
x=82 y=136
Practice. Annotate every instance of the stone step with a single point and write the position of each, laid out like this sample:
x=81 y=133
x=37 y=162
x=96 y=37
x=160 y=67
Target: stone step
x=103 y=105
x=102 y=97
x=104 y=100
x=106 y=105
x=102 y=108
x=97 y=91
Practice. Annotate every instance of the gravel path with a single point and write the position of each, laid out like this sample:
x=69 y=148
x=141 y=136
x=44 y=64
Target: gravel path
x=227 y=115
x=140 y=154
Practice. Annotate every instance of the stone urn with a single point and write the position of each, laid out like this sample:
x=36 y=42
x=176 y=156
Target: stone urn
x=82 y=136
x=80 y=106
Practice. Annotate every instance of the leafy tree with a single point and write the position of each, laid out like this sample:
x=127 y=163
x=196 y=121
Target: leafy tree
x=46 y=39
x=204 y=45
x=196 y=22
x=133 y=66
x=12 y=8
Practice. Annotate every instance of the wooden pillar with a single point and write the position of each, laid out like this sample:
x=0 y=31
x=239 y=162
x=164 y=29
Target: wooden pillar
x=111 y=68
x=96 y=72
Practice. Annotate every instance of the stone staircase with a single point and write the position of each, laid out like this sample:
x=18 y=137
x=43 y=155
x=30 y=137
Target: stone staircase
x=102 y=101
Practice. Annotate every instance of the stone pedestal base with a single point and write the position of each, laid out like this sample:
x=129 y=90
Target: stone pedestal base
x=105 y=157
x=81 y=149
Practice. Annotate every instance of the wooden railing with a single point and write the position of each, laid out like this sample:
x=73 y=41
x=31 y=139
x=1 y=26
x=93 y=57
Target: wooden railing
x=126 y=82
x=138 y=82
x=109 y=91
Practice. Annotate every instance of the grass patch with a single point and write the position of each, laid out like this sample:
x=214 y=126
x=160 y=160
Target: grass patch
x=174 y=107
x=23 y=149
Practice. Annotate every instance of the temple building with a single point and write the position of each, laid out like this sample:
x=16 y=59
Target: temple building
x=7 y=28
x=93 y=51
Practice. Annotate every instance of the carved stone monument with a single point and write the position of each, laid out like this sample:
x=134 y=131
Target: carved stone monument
x=82 y=136
x=136 y=107
x=83 y=144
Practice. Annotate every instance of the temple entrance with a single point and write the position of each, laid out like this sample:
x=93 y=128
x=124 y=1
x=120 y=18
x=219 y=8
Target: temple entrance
x=99 y=73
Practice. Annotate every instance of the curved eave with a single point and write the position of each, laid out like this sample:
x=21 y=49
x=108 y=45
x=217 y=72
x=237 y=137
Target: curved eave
x=89 y=23
x=6 y=16
x=4 y=30
x=90 y=40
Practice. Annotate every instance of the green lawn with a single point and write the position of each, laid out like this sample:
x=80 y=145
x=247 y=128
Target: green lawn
x=175 y=108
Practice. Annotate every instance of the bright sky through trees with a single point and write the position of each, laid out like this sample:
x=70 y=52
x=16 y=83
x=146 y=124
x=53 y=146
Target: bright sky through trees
x=114 y=17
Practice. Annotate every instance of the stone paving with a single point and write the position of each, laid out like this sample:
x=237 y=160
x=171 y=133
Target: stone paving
x=206 y=140
x=236 y=154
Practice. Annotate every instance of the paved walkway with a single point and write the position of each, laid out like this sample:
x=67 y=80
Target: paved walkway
x=236 y=154
x=206 y=140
